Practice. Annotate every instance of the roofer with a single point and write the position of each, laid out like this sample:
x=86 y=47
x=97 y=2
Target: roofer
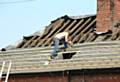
x=61 y=37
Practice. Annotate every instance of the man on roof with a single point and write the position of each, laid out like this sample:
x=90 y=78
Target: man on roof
x=63 y=37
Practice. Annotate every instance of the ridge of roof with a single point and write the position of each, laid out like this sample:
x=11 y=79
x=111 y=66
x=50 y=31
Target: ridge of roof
x=82 y=16
x=73 y=17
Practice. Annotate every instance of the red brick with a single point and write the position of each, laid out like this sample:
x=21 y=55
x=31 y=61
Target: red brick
x=103 y=16
x=106 y=16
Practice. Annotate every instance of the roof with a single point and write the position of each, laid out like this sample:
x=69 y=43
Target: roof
x=63 y=23
x=96 y=55
x=82 y=29
x=91 y=51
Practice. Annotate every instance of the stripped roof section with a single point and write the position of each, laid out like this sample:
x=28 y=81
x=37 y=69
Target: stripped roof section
x=81 y=28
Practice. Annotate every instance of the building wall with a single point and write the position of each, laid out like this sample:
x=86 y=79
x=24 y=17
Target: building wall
x=37 y=79
x=108 y=13
x=97 y=78
x=101 y=75
x=50 y=77
x=73 y=78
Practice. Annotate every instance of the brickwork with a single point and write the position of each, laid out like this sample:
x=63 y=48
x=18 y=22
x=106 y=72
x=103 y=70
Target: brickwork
x=103 y=16
x=96 y=78
x=108 y=14
x=37 y=78
x=116 y=10
x=76 y=76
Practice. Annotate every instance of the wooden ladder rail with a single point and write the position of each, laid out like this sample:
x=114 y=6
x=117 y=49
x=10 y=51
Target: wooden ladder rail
x=8 y=71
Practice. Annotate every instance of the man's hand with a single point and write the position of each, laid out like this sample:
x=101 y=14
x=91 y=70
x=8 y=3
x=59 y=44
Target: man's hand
x=70 y=43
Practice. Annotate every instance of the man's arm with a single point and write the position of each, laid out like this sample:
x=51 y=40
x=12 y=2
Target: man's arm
x=66 y=37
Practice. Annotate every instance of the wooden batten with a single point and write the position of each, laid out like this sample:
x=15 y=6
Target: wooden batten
x=28 y=42
x=59 y=30
x=78 y=30
x=76 y=26
x=51 y=33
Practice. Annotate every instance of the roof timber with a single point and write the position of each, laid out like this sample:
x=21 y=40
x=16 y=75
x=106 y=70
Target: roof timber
x=29 y=41
x=52 y=32
x=66 y=29
x=59 y=30
x=79 y=23
x=71 y=25
x=78 y=30
x=81 y=30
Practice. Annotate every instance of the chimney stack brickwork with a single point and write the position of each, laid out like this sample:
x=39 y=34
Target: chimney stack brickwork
x=103 y=16
x=108 y=13
x=116 y=10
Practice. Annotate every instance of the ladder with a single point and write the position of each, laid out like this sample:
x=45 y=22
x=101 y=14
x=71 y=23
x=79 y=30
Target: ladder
x=9 y=63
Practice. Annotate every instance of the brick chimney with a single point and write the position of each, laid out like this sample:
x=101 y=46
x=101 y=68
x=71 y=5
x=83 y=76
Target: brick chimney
x=108 y=13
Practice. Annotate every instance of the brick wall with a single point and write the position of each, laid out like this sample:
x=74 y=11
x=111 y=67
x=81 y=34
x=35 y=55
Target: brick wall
x=103 y=15
x=37 y=78
x=91 y=75
x=116 y=10
x=108 y=13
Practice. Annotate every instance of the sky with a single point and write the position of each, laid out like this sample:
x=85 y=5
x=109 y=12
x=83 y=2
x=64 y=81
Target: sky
x=20 y=18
